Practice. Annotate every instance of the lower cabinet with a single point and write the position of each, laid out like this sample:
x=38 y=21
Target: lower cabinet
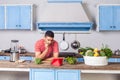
x=42 y=74
x=80 y=59
x=113 y=59
x=21 y=58
x=67 y=75
x=26 y=58
x=4 y=57
x=54 y=74
x=109 y=60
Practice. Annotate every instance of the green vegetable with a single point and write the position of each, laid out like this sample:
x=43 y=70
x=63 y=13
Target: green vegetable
x=108 y=51
x=71 y=60
x=89 y=53
x=102 y=53
x=38 y=61
x=89 y=48
x=81 y=51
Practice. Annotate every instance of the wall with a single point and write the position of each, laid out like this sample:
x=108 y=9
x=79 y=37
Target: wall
x=94 y=39
x=28 y=38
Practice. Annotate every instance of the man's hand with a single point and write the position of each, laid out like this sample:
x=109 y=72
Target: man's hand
x=46 y=45
x=42 y=55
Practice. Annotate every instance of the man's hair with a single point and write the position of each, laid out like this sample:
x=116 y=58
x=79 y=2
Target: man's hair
x=49 y=33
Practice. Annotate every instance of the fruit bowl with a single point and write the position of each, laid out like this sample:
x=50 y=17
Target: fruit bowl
x=96 y=61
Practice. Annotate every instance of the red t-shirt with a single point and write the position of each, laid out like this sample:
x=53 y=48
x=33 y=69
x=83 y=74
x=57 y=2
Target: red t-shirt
x=40 y=47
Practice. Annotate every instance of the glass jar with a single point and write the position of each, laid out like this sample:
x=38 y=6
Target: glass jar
x=14 y=45
x=14 y=56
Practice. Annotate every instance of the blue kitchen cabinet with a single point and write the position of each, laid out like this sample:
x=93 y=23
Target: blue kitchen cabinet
x=65 y=1
x=54 y=74
x=42 y=74
x=21 y=58
x=2 y=17
x=26 y=58
x=116 y=18
x=80 y=59
x=67 y=75
x=109 y=17
x=112 y=60
x=118 y=59
x=18 y=17
x=4 y=57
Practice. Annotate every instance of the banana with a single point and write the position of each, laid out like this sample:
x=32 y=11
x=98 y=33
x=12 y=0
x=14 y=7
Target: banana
x=96 y=54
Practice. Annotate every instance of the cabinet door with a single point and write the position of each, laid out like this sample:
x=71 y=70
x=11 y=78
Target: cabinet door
x=42 y=74
x=18 y=17
x=4 y=57
x=116 y=18
x=80 y=59
x=105 y=17
x=26 y=58
x=25 y=17
x=2 y=17
x=67 y=75
x=112 y=60
x=12 y=17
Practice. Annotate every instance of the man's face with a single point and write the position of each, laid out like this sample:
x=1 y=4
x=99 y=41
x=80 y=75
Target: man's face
x=48 y=40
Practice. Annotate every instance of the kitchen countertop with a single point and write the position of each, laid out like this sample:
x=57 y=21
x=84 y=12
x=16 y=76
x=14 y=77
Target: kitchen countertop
x=111 y=68
x=46 y=64
x=25 y=66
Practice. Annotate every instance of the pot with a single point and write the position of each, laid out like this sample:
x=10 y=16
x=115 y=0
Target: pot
x=63 y=44
x=75 y=44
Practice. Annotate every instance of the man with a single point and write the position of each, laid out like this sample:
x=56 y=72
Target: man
x=47 y=48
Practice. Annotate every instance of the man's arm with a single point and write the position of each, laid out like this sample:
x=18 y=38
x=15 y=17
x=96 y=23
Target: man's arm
x=40 y=55
x=55 y=55
x=55 y=51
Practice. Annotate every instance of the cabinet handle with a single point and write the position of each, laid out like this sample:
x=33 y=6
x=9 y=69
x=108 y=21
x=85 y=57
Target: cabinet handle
x=19 y=25
x=5 y=58
x=111 y=26
x=16 y=25
x=114 y=26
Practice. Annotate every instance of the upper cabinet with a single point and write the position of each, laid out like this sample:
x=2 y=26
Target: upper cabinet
x=64 y=0
x=2 y=17
x=17 y=16
x=108 y=17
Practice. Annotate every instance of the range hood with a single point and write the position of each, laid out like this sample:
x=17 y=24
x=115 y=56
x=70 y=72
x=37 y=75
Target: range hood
x=64 y=17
